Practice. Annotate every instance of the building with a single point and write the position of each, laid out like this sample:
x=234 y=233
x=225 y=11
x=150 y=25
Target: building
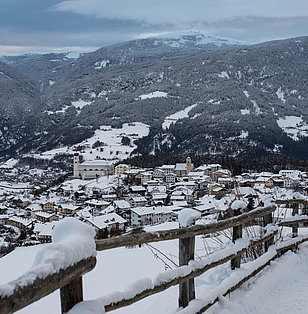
x=107 y=225
x=182 y=169
x=151 y=215
x=92 y=169
x=121 y=168
x=45 y=217
x=68 y=209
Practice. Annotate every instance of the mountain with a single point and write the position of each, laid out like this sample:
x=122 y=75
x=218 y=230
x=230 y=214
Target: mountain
x=199 y=96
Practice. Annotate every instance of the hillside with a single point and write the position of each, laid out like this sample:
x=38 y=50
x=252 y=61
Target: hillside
x=199 y=96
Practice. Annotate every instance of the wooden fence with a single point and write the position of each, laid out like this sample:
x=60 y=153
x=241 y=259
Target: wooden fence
x=69 y=280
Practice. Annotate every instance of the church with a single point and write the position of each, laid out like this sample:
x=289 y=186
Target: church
x=92 y=169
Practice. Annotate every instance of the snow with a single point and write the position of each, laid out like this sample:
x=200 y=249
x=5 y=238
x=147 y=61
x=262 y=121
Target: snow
x=295 y=127
x=101 y=64
x=72 y=242
x=244 y=134
x=245 y=111
x=155 y=94
x=281 y=288
x=256 y=108
x=246 y=93
x=280 y=95
x=111 y=137
x=238 y=204
x=188 y=216
x=223 y=74
x=177 y=116
x=9 y=163
x=79 y=104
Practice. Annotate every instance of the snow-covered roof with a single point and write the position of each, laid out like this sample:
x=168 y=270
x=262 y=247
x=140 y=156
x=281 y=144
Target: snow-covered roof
x=148 y=210
x=137 y=188
x=97 y=202
x=44 y=214
x=105 y=220
x=180 y=167
x=96 y=163
x=121 y=204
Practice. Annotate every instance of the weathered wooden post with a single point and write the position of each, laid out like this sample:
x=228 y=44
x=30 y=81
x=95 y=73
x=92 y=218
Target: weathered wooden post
x=237 y=232
x=186 y=253
x=187 y=217
x=268 y=219
x=295 y=206
x=71 y=294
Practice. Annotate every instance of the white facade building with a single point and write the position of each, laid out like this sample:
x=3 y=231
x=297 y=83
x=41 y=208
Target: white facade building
x=92 y=169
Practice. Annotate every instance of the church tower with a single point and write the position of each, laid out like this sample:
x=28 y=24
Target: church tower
x=188 y=165
x=76 y=165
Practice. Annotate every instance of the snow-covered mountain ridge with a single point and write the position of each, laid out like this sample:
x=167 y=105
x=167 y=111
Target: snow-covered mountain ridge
x=196 y=99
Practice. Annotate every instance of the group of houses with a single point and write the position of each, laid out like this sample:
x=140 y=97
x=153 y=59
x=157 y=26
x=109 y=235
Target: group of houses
x=117 y=199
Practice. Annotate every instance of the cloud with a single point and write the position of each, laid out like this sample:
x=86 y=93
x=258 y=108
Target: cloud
x=183 y=12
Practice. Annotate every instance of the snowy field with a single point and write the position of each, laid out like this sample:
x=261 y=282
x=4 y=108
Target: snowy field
x=112 y=148
x=294 y=127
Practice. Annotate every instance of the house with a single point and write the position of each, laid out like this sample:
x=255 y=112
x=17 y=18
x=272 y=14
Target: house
x=98 y=204
x=137 y=189
x=221 y=173
x=138 y=201
x=159 y=198
x=205 y=209
x=43 y=232
x=45 y=217
x=168 y=168
x=122 y=208
x=68 y=209
x=21 y=223
x=151 y=215
x=4 y=219
x=107 y=225
x=170 y=178
x=143 y=177
x=121 y=168
x=47 y=206
x=182 y=194
x=158 y=173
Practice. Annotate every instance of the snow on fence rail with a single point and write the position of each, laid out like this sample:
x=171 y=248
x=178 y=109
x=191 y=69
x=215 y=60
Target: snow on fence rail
x=181 y=274
x=69 y=278
x=180 y=233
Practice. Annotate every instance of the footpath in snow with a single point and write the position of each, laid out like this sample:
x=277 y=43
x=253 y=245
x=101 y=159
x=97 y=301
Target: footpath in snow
x=281 y=288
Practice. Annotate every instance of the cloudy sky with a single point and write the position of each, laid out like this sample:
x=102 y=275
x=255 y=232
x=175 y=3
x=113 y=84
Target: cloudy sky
x=84 y=25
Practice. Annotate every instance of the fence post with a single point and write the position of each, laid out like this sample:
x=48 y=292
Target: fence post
x=236 y=234
x=295 y=207
x=186 y=253
x=268 y=219
x=71 y=294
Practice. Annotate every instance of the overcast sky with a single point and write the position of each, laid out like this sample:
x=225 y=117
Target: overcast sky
x=84 y=25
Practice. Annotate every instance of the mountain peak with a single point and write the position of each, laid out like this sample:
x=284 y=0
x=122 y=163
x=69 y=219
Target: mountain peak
x=196 y=38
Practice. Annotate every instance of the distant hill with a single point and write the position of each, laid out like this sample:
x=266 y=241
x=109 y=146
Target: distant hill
x=200 y=95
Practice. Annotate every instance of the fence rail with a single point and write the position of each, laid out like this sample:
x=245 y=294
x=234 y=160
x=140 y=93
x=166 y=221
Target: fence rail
x=69 y=280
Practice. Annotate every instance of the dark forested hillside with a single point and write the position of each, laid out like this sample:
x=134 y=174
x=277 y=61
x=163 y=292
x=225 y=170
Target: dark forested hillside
x=248 y=101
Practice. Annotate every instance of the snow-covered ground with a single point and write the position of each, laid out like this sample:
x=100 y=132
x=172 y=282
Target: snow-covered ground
x=295 y=127
x=284 y=284
x=112 y=149
x=156 y=94
x=177 y=116
x=281 y=288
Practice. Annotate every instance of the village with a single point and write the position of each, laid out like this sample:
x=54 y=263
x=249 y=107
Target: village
x=116 y=199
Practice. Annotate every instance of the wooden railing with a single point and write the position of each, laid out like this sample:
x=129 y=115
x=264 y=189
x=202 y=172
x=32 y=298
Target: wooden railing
x=69 y=280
